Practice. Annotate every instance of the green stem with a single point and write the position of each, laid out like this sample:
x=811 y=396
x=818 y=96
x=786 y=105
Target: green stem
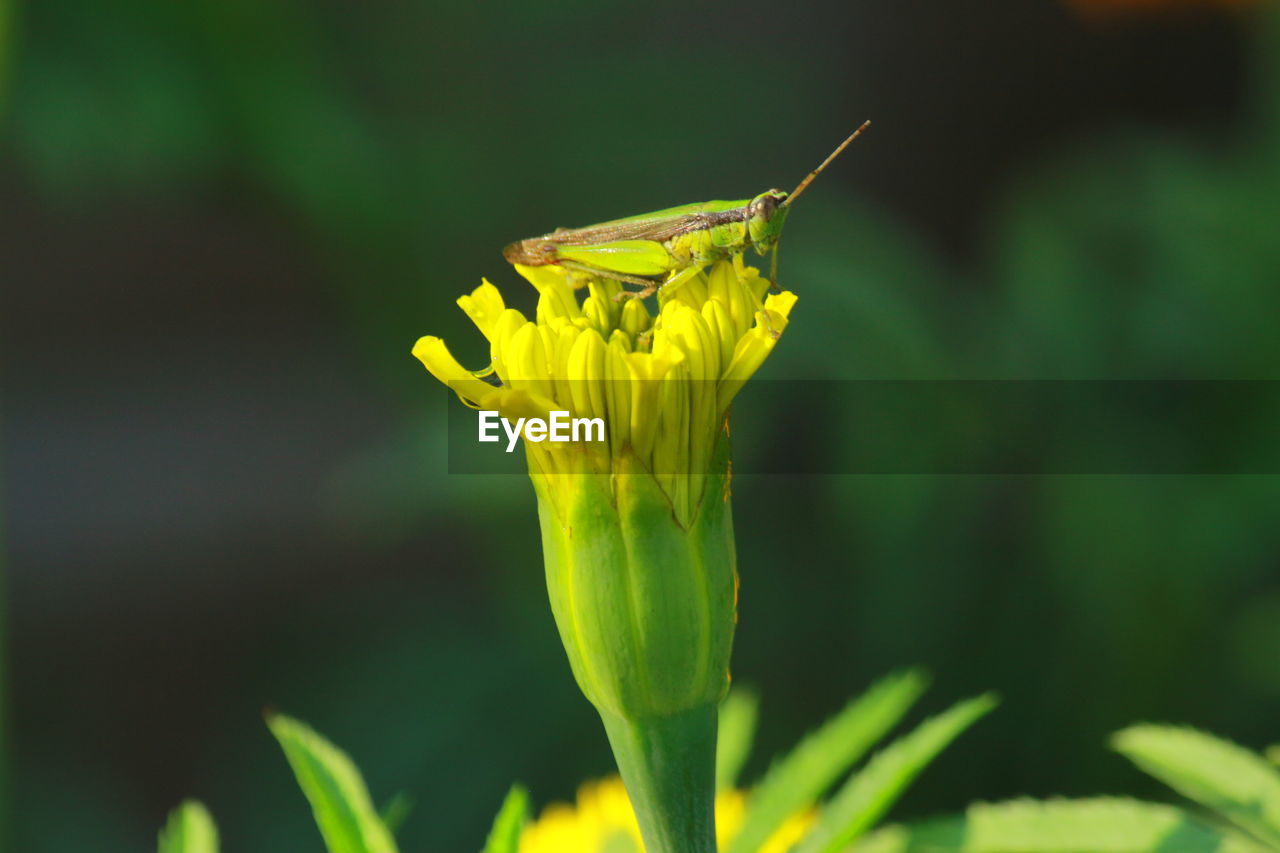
x=668 y=766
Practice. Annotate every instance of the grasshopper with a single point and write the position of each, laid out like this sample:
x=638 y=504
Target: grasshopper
x=666 y=248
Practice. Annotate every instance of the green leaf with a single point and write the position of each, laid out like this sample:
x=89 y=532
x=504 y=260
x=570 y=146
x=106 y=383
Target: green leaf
x=865 y=798
x=796 y=781
x=190 y=830
x=1101 y=825
x=337 y=793
x=738 y=715
x=1237 y=784
x=504 y=837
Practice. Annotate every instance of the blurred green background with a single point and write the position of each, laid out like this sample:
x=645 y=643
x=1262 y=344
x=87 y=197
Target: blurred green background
x=225 y=223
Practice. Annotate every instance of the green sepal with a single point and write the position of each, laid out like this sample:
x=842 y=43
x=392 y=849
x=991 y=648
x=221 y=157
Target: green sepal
x=646 y=607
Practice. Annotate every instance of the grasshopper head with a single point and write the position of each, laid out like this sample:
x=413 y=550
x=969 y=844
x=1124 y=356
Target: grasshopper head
x=765 y=215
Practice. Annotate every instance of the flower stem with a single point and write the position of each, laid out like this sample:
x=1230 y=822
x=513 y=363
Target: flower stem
x=668 y=766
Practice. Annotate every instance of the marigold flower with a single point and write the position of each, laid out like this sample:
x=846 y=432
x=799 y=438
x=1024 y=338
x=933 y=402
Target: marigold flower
x=662 y=385
x=602 y=821
x=637 y=533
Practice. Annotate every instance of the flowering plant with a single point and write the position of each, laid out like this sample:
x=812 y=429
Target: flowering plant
x=641 y=570
x=637 y=532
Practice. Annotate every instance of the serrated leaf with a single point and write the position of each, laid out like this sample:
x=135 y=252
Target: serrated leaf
x=866 y=797
x=1102 y=825
x=190 y=829
x=796 y=781
x=337 y=793
x=504 y=837
x=1237 y=784
x=737 y=729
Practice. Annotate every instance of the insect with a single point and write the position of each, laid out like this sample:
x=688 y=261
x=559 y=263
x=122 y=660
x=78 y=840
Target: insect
x=668 y=247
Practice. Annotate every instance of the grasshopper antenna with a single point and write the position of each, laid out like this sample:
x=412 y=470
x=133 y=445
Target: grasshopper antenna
x=833 y=155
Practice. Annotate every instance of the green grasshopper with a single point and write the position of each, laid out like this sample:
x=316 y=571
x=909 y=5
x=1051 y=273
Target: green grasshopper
x=675 y=244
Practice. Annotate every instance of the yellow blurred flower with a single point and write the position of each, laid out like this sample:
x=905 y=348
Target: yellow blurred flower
x=602 y=821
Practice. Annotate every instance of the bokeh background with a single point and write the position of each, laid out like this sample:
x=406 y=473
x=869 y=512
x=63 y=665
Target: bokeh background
x=224 y=222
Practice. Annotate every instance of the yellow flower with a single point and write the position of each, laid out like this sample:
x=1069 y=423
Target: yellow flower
x=662 y=385
x=602 y=821
x=637 y=531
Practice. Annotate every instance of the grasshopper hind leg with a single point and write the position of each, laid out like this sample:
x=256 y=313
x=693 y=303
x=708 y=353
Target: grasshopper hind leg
x=668 y=286
x=648 y=286
x=603 y=273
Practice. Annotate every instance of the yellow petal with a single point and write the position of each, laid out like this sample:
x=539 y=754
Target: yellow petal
x=515 y=403
x=755 y=346
x=555 y=296
x=692 y=293
x=605 y=292
x=617 y=388
x=435 y=356
x=672 y=459
x=684 y=328
x=722 y=330
x=755 y=283
x=597 y=313
x=543 y=275
x=586 y=372
x=780 y=303
x=635 y=318
x=728 y=289
x=566 y=334
x=508 y=323
x=484 y=306
x=623 y=339
x=527 y=362
x=647 y=371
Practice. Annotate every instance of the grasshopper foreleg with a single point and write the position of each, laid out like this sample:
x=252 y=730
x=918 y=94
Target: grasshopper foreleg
x=677 y=279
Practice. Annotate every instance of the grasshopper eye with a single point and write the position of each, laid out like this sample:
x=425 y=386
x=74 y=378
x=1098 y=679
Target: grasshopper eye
x=764 y=206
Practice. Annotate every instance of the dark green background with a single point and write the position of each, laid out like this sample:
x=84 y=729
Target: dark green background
x=224 y=222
